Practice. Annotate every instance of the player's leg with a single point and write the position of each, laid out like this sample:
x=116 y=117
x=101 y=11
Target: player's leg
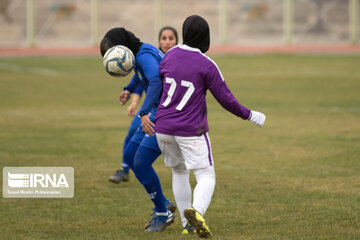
x=151 y=142
x=198 y=156
x=123 y=174
x=173 y=158
x=135 y=123
x=148 y=156
x=181 y=189
x=205 y=185
x=132 y=146
x=147 y=176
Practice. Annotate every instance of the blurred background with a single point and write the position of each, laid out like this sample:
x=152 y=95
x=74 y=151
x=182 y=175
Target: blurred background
x=82 y=23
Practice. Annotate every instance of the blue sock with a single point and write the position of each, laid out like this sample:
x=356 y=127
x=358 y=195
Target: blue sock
x=147 y=176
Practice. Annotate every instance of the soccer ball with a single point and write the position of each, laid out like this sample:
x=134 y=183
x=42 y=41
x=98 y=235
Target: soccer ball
x=119 y=61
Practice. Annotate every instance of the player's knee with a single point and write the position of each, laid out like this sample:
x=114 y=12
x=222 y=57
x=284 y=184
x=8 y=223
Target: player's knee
x=126 y=142
x=142 y=169
x=180 y=169
x=208 y=172
x=141 y=161
x=128 y=157
x=138 y=165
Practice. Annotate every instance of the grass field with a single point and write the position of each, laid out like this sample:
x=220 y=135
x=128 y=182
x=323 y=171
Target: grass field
x=298 y=177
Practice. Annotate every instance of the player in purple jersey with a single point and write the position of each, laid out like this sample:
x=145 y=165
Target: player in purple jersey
x=181 y=121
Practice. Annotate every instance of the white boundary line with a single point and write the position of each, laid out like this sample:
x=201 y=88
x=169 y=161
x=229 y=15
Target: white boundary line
x=35 y=70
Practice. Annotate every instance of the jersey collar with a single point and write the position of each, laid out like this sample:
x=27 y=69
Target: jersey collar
x=188 y=48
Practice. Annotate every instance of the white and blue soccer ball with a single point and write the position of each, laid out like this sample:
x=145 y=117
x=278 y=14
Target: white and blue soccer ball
x=119 y=61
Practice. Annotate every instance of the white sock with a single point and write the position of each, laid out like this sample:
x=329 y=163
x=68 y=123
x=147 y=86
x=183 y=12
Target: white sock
x=164 y=214
x=181 y=190
x=205 y=178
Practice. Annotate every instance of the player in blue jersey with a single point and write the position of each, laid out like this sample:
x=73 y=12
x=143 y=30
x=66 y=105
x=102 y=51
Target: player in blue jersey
x=181 y=121
x=168 y=38
x=142 y=150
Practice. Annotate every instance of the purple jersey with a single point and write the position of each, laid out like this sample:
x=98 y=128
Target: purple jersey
x=186 y=75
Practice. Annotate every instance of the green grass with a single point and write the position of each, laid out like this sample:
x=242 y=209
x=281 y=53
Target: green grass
x=298 y=177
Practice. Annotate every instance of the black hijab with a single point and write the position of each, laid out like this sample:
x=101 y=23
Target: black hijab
x=121 y=36
x=196 y=33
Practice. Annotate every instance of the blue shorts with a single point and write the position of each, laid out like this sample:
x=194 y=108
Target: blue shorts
x=140 y=137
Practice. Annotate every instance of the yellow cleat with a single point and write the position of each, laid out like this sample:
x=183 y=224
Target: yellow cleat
x=188 y=229
x=196 y=220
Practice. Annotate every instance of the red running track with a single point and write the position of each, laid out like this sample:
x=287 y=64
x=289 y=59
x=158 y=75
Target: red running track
x=93 y=51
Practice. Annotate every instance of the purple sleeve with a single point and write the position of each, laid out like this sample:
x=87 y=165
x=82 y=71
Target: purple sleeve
x=218 y=88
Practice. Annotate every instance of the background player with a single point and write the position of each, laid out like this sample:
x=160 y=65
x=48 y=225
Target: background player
x=142 y=151
x=123 y=174
x=181 y=122
x=168 y=38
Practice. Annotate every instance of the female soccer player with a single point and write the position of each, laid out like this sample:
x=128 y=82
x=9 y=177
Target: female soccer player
x=122 y=175
x=181 y=121
x=142 y=150
x=168 y=38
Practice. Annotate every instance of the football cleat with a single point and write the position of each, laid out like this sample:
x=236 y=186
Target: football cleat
x=195 y=219
x=169 y=205
x=188 y=229
x=119 y=176
x=159 y=223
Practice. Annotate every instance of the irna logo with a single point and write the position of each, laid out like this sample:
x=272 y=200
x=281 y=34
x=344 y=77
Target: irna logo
x=37 y=180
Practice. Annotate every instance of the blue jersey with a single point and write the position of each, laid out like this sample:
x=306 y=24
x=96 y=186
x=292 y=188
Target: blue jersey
x=146 y=67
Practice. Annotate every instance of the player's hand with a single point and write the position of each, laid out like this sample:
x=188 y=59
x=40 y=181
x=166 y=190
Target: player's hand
x=124 y=97
x=258 y=118
x=148 y=126
x=131 y=110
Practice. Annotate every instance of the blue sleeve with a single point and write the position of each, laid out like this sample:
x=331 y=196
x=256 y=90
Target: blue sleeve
x=139 y=91
x=153 y=94
x=133 y=84
x=150 y=67
x=149 y=64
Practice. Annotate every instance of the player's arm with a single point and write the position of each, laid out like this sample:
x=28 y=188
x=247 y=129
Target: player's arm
x=150 y=68
x=130 y=88
x=135 y=101
x=217 y=86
